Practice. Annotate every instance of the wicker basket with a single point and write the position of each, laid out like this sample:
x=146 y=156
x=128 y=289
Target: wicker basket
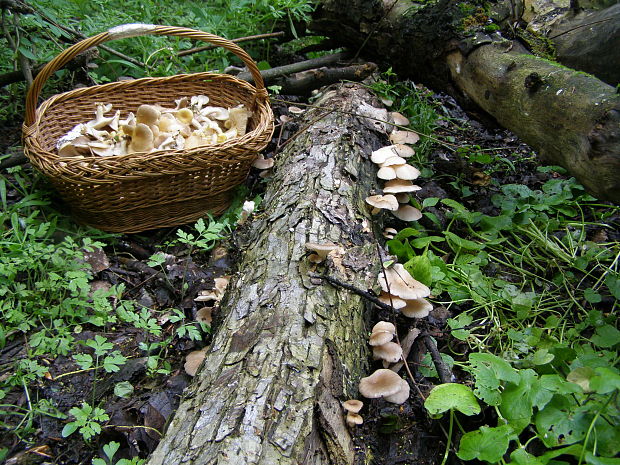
x=140 y=191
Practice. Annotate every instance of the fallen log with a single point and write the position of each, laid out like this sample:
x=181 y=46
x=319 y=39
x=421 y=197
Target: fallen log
x=290 y=349
x=570 y=118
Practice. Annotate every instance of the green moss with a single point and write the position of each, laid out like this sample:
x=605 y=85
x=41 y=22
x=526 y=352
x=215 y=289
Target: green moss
x=537 y=43
x=491 y=27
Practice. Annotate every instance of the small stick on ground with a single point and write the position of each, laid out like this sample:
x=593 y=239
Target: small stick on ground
x=445 y=375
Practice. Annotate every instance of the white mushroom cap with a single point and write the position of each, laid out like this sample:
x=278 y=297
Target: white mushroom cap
x=416 y=308
x=322 y=250
x=147 y=114
x=386 y=173
x=399 y=118
x=393 y=160
x=395 y=302
x=387 y=202
x=353 y=405
x=381 y=383
x=406 y=172
x=404 y=150
x=379 y=338
x=353 y=419
x=402 y=284
x=205 y=315
x=389 y=233
x=194 y=360
x=384 y=326
x=396 y=186
x=263 y=163
x=401 y=396
x=404 y=137
x=390 y=352
x=142 y=140
x=239 y=117
x=184 y=115
x=380 y=155
x=408 y=213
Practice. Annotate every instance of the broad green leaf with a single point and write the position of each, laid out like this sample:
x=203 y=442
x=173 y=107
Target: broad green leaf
x=110 y=449
x=449 y=396
x=488 y=370
x=401 y=249
x=605 y=381
x=559 y=424
x=462 y=243
x=592 y=296
x=69 y=429
x=581 y=376
x=613 y=283
x=541 y=357
x=123 y=389
x=488 y=444
x=517 y=400
x=406 y=233
x=606 y=336
x=521 y=457
x=420 y=268
x=422 y=242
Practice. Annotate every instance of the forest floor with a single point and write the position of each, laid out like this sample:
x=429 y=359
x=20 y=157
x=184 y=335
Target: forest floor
x=163 y=275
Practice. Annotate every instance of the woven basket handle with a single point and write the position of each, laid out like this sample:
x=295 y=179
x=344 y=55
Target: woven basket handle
x=135 y=30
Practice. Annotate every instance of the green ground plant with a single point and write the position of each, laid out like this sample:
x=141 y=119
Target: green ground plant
x=538 y=300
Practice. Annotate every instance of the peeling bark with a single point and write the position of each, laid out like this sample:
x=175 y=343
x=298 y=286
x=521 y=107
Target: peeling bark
x=570 y=118
x=289 y=350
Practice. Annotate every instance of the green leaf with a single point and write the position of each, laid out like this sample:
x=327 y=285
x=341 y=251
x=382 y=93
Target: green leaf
x=559 y=423
x=592 y=296
x=69 y=429
x=430 y=202
x=606 y=336
x=27 y=53
x=488 y=444
x=113 y=362
x=401 y=249
x=123 y=389
x=85 y=361
x=458 y=324
x=450 y=396
x=488 y=371
x=422 y=242
x=613 y=283
x=541 y=357
x=110 y=449
x=605 y=381
x=521 y=457
x=462 y=243
x=420 y=268
x=517 y=404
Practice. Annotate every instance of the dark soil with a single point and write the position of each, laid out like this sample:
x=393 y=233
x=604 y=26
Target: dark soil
x=391 y=434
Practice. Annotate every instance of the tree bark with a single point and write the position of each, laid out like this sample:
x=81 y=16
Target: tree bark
x=289 y=350
x=570 y=118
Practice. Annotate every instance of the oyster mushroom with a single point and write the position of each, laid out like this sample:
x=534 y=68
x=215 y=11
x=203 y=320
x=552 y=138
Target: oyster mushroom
x=379 y=202
x=142 y=140
x=239 y=119
x=397 y=281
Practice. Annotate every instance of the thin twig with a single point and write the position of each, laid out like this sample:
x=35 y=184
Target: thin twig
x=445 y=375
x=356 y=290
